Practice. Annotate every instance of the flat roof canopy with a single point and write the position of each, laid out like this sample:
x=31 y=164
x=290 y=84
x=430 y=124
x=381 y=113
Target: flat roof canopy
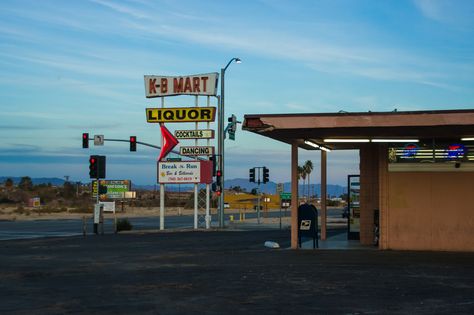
x=296 y=128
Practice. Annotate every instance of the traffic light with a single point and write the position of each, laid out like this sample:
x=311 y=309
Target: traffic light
x=133 y=143
x=219 y=178
x=85 y=140
x=266 y=175
x=252 y=175
x=97 y=166
x=102 y=189
x=213 y=158
x=216 y=189
x=233 y=123
x=232 y=126
x=93 y=166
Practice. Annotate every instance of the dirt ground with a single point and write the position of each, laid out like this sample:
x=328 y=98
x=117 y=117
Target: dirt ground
x=12 y=213
x=226 y=272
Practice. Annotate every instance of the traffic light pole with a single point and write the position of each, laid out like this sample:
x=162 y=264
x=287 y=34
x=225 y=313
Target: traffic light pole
x=256 y=178
x=148 y=145
x=96 y=225
x=221 y=147
x=258 y=203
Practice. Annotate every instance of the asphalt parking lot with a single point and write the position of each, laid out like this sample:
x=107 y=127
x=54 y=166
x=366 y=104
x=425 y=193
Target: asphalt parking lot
x=227 y=272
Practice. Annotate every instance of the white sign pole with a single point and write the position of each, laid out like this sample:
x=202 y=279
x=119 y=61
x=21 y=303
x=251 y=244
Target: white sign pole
x=196 y=192
x=162 y=186
x=208 y=197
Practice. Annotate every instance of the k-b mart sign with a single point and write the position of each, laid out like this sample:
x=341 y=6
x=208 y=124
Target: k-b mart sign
x=198 y=84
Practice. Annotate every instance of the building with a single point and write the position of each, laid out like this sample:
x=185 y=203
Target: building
x=416 y=169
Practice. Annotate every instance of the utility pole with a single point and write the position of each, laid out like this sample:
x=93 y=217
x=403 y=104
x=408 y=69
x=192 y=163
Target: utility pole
x=221 y=139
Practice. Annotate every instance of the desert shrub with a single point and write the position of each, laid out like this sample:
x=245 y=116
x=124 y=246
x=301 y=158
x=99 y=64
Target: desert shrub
x=21 y=210
x=123 y=225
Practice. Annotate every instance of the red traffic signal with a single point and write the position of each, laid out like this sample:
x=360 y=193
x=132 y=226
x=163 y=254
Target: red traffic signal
x=85 y=140
x=133 y=143
x=93 y=166
x=97 y=166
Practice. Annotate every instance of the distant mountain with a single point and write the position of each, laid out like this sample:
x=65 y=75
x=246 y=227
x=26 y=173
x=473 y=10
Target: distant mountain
x=270 y=187
x=36 y=181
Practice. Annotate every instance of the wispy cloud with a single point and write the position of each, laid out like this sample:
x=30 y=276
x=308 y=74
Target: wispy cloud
x=456 y=13
x=139 y=14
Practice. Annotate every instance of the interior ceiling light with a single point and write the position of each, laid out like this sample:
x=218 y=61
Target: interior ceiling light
x=467 y=139
x=325 y=149
x=346 y=140
x=395 y=140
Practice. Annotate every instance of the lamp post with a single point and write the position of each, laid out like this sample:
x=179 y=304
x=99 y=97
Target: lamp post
x=221 y=141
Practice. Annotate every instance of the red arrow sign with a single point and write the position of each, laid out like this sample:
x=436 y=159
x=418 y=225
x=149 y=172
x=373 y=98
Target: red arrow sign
x=169 y=142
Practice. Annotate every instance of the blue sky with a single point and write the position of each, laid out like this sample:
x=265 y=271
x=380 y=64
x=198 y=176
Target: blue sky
x=68 y=67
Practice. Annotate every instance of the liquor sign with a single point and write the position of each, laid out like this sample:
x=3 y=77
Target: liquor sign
x=196 y=151
x=180 y=114
x=185 y=172
x=197 y=84
x=194 y=134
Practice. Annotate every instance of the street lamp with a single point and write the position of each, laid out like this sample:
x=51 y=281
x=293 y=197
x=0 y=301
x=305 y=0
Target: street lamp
x=221 y=140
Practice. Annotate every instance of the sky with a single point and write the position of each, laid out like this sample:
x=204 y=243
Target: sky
x=68 y=67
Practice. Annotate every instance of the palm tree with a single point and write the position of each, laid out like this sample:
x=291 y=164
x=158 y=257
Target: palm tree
x=25 y=183
x=308 y=168
x=302 y=175
x=9 y=183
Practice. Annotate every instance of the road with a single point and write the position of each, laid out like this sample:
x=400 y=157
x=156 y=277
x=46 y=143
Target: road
x=70 y=227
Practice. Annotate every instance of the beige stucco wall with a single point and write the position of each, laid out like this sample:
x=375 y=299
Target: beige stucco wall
x=429 y=211
x=369 y=191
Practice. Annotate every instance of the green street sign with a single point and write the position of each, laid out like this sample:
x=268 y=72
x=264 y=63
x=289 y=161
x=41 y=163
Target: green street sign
x=285 y=196
x=231 y=135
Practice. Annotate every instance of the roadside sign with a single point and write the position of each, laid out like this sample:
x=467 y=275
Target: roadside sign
x=169 y=142
x=279 y=188
x=180 y=114
x=196 y=151
x=194 y=134
x=196 y=84
x=108 y=206
x=116 y=189
x=285 y=196
x=98 y=139
x=185 y=172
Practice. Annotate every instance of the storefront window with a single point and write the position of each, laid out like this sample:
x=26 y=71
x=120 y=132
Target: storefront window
x=434 y=152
